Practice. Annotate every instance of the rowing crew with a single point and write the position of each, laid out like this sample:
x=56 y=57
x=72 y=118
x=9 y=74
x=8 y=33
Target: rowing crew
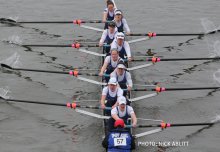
x=113 y=95
x=116 y=40
x=119 y=81
x=111 y=13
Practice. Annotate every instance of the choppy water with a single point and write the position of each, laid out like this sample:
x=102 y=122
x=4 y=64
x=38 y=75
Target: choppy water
x=28 y=127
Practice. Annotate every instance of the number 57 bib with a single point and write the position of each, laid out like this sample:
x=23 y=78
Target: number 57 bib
x=119 y=141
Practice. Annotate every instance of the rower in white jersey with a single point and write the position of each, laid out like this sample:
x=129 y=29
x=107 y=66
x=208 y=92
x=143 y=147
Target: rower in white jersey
x=123 y=111
x=110 y=95
x=121 y=22
x=108 y=14
x=123 y=77
x=122 y=46
x=108 y=36
x=110 y=63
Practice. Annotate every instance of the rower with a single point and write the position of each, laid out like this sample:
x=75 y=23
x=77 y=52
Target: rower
x=122 y=46
x=121 y=22
x=124 y=112
x=119 y=139
x=108 y=14
x=110 y=95
x=123 y=77
x=108 y=36
x=110 y=63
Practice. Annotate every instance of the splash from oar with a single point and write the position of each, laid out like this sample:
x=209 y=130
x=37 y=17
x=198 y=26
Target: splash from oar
x=14 y=40
x=4 y=92
x=211 y=40
x=13 y=60
x=216 y=76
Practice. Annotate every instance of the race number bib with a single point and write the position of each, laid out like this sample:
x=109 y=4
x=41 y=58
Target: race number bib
x=119 y=141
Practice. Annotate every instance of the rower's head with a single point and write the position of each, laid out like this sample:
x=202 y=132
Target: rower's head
x=118 y=15
x=114 y=54
x=119 y=123
x=120 y=38
x=122 y=102
x=111 y=26
x=112 y=83
x=110 y=5
x=121 y=67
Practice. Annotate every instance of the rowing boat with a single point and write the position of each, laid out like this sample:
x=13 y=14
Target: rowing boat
x=104 y=118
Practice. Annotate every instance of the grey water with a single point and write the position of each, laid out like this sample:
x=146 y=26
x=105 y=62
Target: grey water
x=40 y=128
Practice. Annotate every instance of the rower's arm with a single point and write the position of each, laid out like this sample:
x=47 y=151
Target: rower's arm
x=104 y=67
x=128 y=50
x=102 y=102
x=127 y=29
x=129 y=80
x=104 y=17
x=115 y=116
x=134 y=119
x=104 y=35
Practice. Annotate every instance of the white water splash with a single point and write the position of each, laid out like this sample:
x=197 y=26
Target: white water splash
x=216 y=119
x=211 y=40
x=4 y=92
x=216 y=47
x=216 y=76
x=15 y=40
x=15 y=18
x=208 y=25
x=12 y=60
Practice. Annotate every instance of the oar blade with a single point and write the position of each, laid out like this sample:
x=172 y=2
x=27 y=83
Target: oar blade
x=6 y=66
x=7 y=21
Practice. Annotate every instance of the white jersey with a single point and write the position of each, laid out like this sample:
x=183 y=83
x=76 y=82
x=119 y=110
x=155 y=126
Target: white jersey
x=122 y=113
x=125 y=25
x=109 y=13
x=126 y=74
x=125 y=45
x=109 y=60
x=118 y=92
x=106 y=33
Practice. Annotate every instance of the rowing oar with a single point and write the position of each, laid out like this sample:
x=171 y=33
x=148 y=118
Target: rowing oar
x=77 y=21
x=157 y=59
x=71 y=72
x=164 y=125
x=74 y=45
x=153 y=34
x=73 y=105
x=162 y=89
